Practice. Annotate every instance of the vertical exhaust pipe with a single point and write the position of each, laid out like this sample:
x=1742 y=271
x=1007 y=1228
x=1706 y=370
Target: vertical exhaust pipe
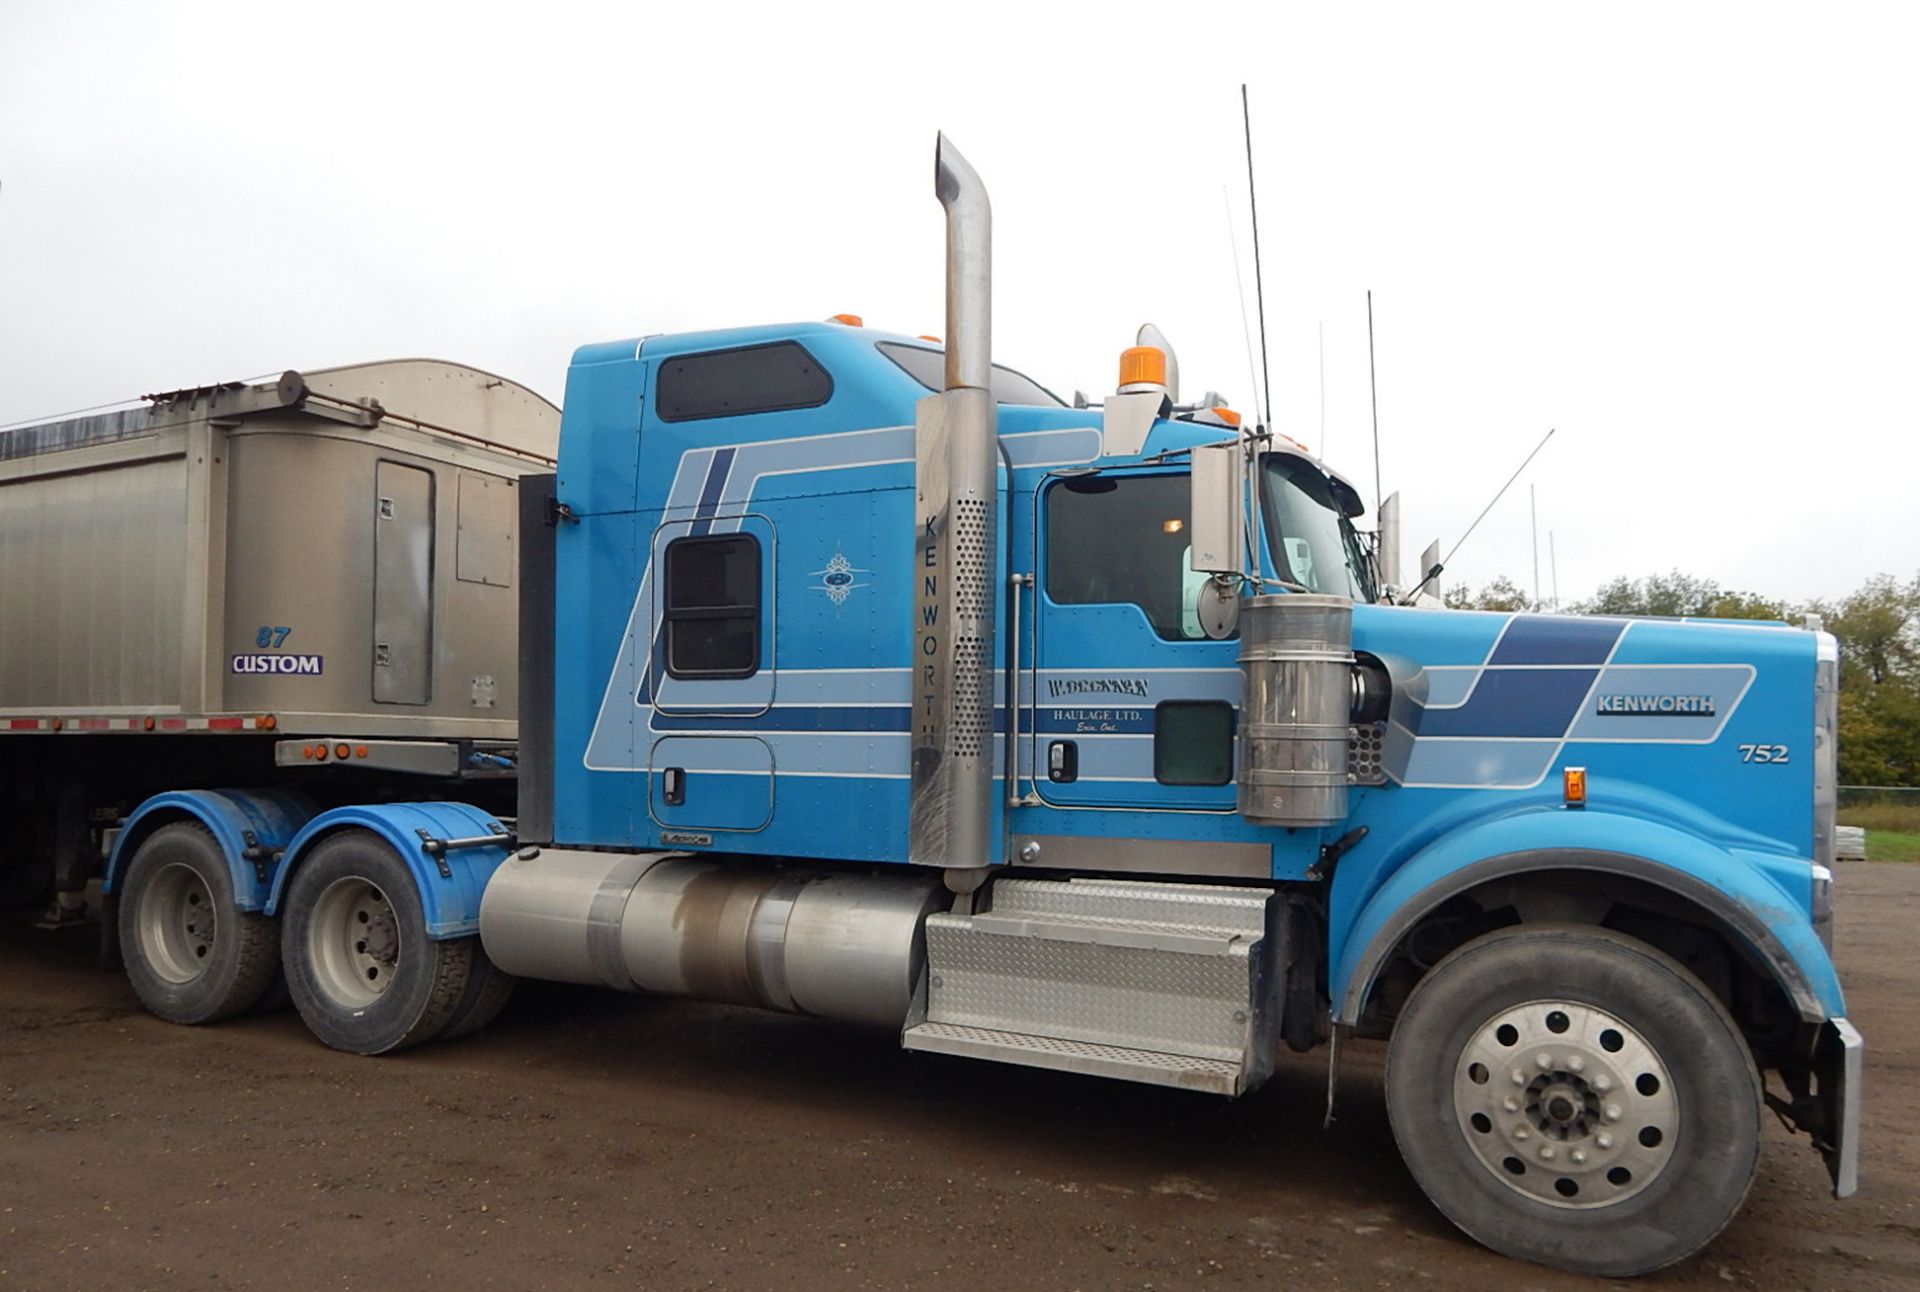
x=969 y=270
x=956 y=559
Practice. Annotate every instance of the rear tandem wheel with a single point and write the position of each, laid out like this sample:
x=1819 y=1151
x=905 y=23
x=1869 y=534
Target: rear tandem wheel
x=191 y=954
x=363 y=973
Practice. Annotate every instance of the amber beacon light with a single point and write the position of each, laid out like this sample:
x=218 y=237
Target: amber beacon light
x=1142 y=365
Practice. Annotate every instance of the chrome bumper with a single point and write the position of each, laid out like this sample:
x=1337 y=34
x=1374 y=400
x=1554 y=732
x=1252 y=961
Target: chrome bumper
x=1838 y=1060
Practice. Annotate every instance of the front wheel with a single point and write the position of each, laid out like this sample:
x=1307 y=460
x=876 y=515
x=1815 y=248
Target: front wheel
x=362 y=971
x=1574 y=1097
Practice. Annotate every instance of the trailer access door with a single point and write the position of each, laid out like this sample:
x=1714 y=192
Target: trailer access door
x=403 y=584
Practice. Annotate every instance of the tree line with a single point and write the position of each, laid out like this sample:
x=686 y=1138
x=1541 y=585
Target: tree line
x=1877 y=624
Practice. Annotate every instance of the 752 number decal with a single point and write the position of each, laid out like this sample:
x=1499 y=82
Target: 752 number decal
x=1763 y=754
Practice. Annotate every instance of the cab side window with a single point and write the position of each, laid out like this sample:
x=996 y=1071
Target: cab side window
x=1123 y=540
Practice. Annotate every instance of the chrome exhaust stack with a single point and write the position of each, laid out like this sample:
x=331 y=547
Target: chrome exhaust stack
x=950 y=822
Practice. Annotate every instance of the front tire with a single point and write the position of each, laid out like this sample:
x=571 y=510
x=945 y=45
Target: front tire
x=192 y=955
x=1571 y=1096
x=362 y=971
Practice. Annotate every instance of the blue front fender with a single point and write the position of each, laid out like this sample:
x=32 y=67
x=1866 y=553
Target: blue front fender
x=1751 y=892
x=450 y=900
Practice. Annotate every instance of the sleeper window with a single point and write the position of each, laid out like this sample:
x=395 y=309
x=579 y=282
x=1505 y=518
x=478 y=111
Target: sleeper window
x=713 y=606
x=731 y=383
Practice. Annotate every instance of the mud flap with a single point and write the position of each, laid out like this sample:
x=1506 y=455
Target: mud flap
x=1838 y=1059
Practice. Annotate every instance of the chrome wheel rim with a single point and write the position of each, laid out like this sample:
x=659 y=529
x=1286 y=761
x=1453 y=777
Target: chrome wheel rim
x=177 y=923
x=1566 y=1104
x=353 y=943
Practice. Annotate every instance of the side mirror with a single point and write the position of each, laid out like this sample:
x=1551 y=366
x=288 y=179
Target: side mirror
x=1215 y=525
x=1218 y=607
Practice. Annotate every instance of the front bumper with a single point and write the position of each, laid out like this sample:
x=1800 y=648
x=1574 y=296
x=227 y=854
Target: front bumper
x=1839 y=1057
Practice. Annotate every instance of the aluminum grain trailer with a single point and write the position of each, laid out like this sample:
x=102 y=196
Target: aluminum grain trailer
x=233 y=606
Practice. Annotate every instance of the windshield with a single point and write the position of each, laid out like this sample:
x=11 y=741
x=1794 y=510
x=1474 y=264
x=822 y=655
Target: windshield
x=929 y=368
x=1313 y=544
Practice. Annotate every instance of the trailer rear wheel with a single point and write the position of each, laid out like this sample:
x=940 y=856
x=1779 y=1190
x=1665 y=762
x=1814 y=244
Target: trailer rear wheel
x=191 y=954
x=362 y=971
x=1571 y=1096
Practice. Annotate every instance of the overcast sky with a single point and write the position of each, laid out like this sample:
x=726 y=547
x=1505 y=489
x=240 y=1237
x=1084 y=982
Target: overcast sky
x=1683 y=234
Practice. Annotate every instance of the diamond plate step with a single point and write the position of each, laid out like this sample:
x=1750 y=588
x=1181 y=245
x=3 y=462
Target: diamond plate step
x=1148 y=981
x=1208 y=909
x=1214 y=1076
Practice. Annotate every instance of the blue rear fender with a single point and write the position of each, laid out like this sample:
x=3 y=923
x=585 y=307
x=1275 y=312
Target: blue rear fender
x=250 y=826
x=450 y=883
x=1763 y=897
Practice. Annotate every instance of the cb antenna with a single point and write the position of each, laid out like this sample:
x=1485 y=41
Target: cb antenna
x=1373 y=393
x=1434 y=573
x=1259 y=290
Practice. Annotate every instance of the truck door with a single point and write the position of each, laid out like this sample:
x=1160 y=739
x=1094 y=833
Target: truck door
x=709 y=766
x=1132 y=705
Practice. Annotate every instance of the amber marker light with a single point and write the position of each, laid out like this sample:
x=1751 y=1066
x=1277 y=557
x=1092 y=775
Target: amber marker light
x=146 y=724
x=851 y=320
x=343 y=750
x=359 y=751
x=1227 y=415
x=1573 y=786
x=1173 y=526
x=267 y=722
x=1143 y=365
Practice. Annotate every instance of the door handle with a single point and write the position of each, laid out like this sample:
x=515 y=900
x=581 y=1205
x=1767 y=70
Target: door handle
x=673 y=786
x=1063 y=762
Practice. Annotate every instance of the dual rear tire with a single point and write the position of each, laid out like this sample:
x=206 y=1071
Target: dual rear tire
x=352 y=941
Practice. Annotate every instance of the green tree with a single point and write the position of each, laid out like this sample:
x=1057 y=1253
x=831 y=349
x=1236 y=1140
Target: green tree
x=1879 y=629
x=1880 y=733
x=1502 y=594
x=1676 y=595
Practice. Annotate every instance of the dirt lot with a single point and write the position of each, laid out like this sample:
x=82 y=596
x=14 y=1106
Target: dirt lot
x=592 y=1138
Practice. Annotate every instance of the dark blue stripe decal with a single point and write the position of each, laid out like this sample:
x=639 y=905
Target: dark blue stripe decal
x=716 y=482
x=863 y=720
x=1553 y=639
x=1514 y=702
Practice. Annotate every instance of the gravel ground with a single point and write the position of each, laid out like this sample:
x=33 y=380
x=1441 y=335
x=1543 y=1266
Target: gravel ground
x=590 y=1138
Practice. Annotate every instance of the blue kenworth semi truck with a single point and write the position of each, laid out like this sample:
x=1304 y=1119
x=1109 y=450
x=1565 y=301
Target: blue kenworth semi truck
x=864 y=678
